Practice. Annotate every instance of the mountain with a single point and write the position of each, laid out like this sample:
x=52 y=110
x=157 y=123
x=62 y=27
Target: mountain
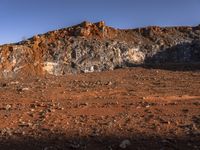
x=95 y=47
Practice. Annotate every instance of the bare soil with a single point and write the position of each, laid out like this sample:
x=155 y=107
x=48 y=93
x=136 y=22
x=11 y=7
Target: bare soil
x=133 y=108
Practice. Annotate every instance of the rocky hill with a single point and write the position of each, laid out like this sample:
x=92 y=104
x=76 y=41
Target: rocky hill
x=94 y=47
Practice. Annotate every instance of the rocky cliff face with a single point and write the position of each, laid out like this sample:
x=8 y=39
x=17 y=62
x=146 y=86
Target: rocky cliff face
x=90 y=47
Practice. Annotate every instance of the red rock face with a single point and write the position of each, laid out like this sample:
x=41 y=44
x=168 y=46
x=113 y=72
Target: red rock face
x=89 y=30
x=89 y=47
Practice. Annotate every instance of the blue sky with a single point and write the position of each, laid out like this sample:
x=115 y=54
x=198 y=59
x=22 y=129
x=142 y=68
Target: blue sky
x=24 y=18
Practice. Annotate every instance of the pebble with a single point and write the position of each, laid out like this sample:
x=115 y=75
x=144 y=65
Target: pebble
x=124 y=144
x=14 y=82
x=8 y=107
x=25 y=89
x=147 y=106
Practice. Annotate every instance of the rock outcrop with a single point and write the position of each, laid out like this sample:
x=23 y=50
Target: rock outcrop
x=90 y=47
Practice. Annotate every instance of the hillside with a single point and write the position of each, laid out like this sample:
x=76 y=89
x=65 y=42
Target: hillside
x=95 y=47
x=142 y=92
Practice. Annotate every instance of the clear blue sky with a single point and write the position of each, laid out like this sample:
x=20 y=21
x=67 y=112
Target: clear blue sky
x=24 y=18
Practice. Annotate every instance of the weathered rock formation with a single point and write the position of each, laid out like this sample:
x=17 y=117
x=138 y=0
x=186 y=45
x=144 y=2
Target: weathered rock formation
x=90 y=47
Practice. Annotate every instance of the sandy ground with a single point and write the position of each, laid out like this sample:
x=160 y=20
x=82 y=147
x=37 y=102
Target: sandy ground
x=133 y=109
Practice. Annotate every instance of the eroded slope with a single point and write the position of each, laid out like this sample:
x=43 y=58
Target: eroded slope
x=89 y=47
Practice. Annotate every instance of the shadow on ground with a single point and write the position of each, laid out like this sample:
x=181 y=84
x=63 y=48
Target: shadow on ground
x=174 y=66
x=61 y=141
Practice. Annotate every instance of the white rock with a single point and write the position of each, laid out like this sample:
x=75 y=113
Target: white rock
x=50 y=67
x=25 y=89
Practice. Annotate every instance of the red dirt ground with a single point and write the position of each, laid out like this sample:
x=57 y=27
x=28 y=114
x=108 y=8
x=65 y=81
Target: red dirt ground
x=133 y=108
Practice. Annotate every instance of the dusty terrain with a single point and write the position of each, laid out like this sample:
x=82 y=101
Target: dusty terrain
x=133 y=108
x=47 y=103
